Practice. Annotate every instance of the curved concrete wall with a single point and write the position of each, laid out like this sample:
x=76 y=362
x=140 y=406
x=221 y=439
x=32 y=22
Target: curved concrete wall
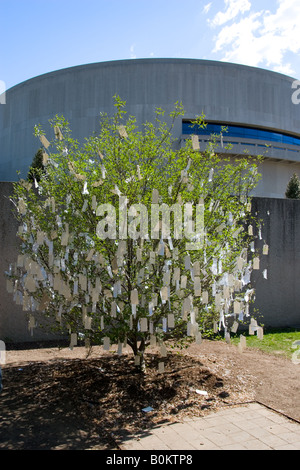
x=224 y=92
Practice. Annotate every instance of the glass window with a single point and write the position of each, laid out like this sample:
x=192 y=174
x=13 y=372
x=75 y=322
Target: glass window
x=240 y=132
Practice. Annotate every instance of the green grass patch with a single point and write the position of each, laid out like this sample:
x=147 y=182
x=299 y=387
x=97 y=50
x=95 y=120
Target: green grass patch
x=275 y=341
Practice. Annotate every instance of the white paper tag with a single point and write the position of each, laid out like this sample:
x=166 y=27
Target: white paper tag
x=265 y=249
x=260 y=332
x=144 y=324
x=205 y=297
x=134 y=298
x=106 y=343
x=195 y=142
x=120 y=348
x=234 y=327
x=137 y=360
x=171 y=320
x=236 y=307
x=256 y=263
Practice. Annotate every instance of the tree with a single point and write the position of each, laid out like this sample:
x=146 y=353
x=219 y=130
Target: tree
x=133 y=239
x=37 y=168
x=293 y=188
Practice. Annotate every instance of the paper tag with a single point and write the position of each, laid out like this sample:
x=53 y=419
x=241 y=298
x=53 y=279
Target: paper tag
x=22 y=206
x=106 y=343
x=242 y=344
x=166 y=278
x=113 y=309
x=252 y=326
x=134 y=298
x=265 y=249
x=240 y=263
x=2 y=353
x=234 y=327
x=84 y=206
x=187 y=262
x=198 y=338
x=138 y=170
x=122 y=131
x=187 y=305
x=133 y=310
x=183 y=282
x=88 y=323
x=260 y=332
x=227 y=337
x=144 y=324
x=152 y=257
x=107 y=293
x=57 y=132
x=265 y=274
x=205 y=297
x=64 y=238
x=120 y=348
x=256 y=263
x=40 y=237
x=195 y=142
x=163 y=350
x=73 y=341
x=137 y=360
x=176 y=274
x=196 y=268
x=97 y=183
x=45 y=158
x=171 y=320
x=83 y=282
x=236 y=307
x=221 y=227
x=164 y=293
x=44 y=141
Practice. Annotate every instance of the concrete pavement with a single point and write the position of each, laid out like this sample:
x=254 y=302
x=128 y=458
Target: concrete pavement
x=247 y=427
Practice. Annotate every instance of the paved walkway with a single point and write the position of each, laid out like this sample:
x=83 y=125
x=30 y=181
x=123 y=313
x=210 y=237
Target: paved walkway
x=247 y=427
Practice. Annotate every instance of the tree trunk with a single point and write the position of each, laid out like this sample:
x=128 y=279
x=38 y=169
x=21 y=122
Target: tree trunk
x=141 y=353
x=138 y=352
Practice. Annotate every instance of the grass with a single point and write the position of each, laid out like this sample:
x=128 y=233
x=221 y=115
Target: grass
x=275 y=341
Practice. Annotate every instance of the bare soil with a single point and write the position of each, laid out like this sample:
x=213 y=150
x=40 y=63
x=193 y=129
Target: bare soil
x=55 y=398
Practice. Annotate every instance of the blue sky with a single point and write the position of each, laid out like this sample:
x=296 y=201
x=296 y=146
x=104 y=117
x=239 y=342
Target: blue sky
x=39 y=36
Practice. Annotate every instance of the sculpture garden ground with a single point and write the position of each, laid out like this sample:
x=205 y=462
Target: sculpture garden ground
x=57 y=398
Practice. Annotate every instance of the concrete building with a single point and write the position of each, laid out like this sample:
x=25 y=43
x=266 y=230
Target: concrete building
x=255 y=104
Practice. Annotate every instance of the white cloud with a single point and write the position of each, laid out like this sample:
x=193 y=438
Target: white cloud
x=233 y=9
x=132 y=53
x=206 y=8
x=286 y=69
x=262 y=38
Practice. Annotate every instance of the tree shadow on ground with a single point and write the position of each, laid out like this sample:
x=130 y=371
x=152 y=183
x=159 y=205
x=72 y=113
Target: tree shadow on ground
x=95 y=403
